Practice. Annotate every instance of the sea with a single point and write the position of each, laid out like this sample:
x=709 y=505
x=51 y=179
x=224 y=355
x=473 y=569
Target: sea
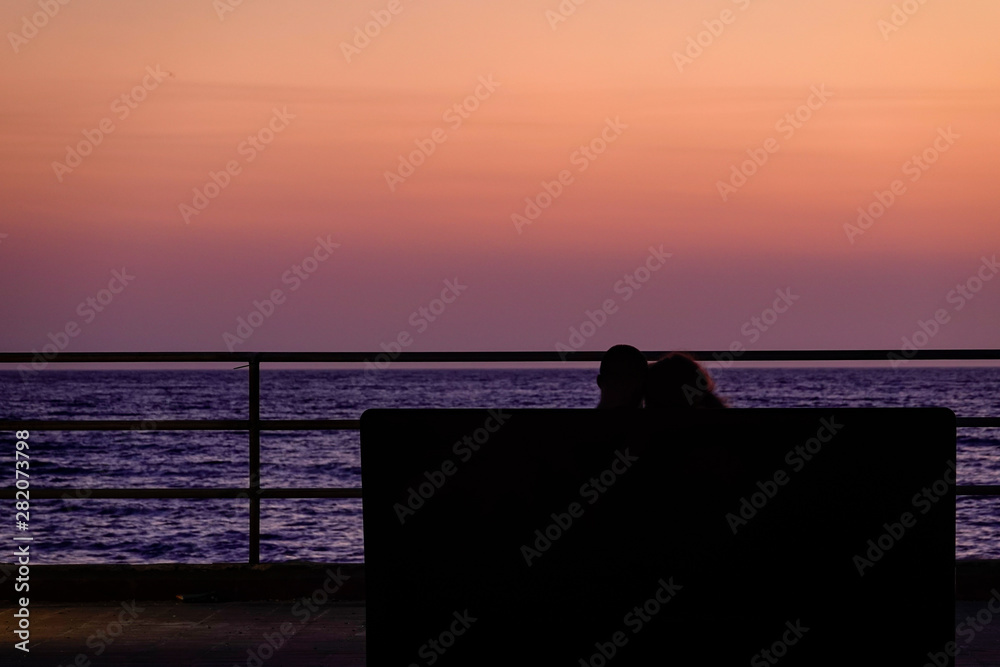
x=76 y=529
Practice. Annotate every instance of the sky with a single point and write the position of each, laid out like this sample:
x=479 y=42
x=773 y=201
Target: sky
x=190 y=175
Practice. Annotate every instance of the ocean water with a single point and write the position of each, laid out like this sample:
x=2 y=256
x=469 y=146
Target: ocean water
x=83 y=530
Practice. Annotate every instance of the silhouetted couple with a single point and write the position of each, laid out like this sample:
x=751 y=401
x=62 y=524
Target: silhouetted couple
x=675 y=381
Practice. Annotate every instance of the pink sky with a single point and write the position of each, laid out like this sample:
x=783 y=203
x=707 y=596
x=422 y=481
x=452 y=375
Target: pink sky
x=674 y=134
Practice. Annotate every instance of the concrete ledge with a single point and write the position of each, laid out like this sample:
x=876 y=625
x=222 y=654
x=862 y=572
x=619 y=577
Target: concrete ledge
x=219 y=582
x=976 y=579
x=171 y=633
x=222 y=582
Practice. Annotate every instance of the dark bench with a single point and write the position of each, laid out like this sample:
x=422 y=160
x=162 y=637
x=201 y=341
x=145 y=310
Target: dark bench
x=585 y=537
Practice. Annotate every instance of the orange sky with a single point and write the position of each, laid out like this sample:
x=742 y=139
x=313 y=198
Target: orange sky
x=890 y=94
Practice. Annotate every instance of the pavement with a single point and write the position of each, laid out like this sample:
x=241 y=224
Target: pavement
x=244 y=634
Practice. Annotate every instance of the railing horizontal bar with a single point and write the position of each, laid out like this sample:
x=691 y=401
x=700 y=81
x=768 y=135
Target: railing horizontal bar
x=179 y=425
x=135 y=494
x=265 y=425
x=312 y=493
x=340 y=492
x=538 y=356
x=125 y=425
x=322 y=424
x=977 y=421
x=582 y=355
x=978 y=490
x=124 y=357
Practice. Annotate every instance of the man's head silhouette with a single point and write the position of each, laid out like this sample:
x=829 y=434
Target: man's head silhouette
x=622 y=377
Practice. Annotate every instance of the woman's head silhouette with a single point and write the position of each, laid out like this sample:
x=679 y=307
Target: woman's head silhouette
x=678 y=381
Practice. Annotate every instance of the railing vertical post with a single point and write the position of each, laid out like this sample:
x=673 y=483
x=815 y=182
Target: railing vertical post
x=254 y=460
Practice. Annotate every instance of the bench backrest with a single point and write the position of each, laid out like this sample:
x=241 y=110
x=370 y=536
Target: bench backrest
x=818 y=536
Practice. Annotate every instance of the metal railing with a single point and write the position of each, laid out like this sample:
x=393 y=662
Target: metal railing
x=254 y=425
